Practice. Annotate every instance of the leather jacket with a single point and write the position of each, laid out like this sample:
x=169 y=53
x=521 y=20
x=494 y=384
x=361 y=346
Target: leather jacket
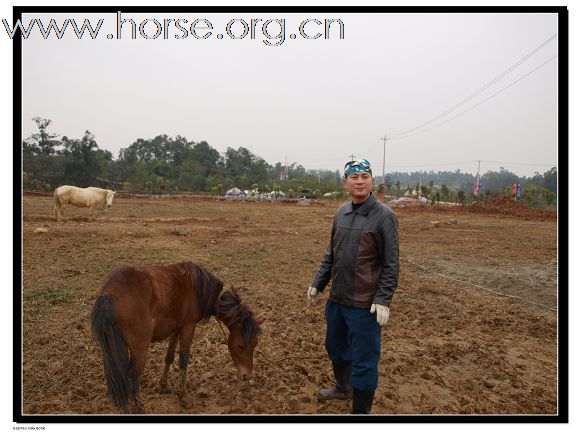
x=362 y=257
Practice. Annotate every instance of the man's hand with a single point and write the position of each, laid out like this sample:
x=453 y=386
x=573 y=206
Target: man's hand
x=382 y=313
x=312 y=294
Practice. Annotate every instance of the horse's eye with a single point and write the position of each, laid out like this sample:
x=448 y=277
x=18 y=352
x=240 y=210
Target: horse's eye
x=241 y=346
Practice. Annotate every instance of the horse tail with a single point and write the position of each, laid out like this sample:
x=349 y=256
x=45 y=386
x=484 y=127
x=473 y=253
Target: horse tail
x=120 y=373
x=57 y=205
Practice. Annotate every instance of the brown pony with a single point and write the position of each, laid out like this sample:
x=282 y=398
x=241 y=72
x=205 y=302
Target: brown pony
x=140 y=305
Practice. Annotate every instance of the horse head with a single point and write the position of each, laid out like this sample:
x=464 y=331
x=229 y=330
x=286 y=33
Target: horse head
x=109 y=199
x=244 y=331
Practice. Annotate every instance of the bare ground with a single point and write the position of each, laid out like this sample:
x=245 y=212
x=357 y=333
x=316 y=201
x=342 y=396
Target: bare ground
x=455 y=342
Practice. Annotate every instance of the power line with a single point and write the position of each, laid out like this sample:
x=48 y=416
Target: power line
x=481 y=89
x=481 y=102
x=405 y=134
x=367 y=152
x=465 y=162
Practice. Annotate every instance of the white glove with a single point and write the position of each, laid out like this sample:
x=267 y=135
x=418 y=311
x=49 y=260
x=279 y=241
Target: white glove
x=382 y=313
x=312 y=294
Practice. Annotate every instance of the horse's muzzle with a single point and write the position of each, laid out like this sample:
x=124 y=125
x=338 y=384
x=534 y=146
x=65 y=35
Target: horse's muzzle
x=244 y=374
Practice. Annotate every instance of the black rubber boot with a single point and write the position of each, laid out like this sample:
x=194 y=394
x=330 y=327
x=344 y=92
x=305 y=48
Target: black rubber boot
x=342 y=390
x=362 y=401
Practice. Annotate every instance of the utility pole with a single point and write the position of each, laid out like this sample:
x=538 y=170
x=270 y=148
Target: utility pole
x=476 y=187
x=352 y=157
x=285 y=168
x=384 y=139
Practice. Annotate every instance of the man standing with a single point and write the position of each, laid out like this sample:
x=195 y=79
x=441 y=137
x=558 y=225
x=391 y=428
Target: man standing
x=363 y=261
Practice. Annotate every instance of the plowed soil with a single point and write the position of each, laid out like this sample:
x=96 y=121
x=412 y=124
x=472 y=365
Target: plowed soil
x=472 y=327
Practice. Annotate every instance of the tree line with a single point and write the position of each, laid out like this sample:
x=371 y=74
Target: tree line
x=538 y=190
x=167 y=164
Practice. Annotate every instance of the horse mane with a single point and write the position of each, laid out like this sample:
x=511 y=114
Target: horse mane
x=230 y=310
x=205 y=284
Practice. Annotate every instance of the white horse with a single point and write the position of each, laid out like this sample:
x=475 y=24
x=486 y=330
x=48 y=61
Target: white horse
x=89 y=197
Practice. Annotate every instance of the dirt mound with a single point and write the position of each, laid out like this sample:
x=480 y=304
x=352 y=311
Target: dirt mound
x=496 y=205
x=507 y=206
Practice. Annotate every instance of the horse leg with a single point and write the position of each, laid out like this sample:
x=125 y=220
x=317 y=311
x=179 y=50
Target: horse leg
x=58 y=213
x=138 y=339
x=139 y=354
x=168 y=361
x=185 y=338
x=91 y=209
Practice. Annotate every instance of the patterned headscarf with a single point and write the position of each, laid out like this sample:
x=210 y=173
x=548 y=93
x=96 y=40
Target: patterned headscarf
x=361 y=165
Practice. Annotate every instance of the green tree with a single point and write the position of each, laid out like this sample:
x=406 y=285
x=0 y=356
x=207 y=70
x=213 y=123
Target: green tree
x=149 y=187
x=206 y=156
x=444 y=192
x=548 y=197
x=388 y=184
x=550 y=180
x=497 y=181
x=532 y=193
x=42 y=143
x=191 y=176
x=82 y=162
x=161 y=183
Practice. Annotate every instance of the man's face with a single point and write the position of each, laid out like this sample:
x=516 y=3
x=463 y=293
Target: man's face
x=359 y=186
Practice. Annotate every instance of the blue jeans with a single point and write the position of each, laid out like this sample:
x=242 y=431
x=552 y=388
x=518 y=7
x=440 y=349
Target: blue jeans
x=353 y=336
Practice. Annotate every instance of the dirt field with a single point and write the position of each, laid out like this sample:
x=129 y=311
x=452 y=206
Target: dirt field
x=451 y=345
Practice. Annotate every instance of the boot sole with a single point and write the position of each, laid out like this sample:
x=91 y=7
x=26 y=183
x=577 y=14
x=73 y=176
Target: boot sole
x=327 y=398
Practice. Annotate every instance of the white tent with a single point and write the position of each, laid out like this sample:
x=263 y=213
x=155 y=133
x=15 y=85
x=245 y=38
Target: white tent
x=234 y=191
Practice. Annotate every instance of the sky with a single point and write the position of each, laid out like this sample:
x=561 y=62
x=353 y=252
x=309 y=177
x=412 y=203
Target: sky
x=317 y=102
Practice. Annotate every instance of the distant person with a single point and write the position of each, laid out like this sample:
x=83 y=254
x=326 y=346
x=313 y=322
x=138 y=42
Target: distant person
x=363 y=261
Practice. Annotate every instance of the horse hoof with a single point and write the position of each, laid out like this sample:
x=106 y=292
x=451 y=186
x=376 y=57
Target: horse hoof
x=185 y=403
x=138 y=408
x=163 y=389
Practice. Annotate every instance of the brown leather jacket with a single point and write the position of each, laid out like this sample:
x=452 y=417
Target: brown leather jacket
x=362 y=257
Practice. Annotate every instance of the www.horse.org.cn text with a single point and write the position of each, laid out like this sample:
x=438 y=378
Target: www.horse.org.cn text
x=272 y=32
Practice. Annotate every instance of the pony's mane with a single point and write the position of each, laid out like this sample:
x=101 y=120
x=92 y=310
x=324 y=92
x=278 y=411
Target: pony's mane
x=205 y=284
x=230 y=310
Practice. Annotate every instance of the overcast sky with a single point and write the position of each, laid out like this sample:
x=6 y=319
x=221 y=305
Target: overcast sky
x=315 y=102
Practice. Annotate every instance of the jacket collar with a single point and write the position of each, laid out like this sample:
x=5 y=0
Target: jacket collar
x=365 y=208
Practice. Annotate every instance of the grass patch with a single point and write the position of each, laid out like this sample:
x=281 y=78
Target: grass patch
x=48 y=296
